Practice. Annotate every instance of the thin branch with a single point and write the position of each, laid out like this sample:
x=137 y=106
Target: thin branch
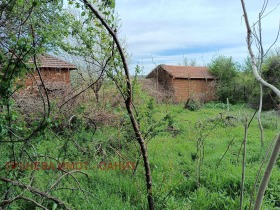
x=7 y=202
x=230 y=143
x=277 y=37
x=89 y=86
x=259 y=114
x=35 y=191
x=243 y=163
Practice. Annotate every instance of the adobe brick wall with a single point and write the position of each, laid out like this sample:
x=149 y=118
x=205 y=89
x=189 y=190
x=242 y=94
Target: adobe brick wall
x=200 y=89
x=163 y=78
x=50 y=76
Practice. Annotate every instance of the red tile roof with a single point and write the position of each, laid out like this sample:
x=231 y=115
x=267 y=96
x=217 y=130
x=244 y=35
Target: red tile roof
x=48 y=61
x=188 y=72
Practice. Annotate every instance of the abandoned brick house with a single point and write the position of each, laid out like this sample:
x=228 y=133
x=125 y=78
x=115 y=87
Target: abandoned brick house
x=55 y=74
x=185 y=82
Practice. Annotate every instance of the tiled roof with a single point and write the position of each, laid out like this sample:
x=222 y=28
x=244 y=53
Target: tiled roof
x=48 y=61
x=188 y=72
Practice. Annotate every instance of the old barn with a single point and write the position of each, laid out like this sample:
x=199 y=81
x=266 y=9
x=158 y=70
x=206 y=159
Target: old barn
x=185 y=82
x=55 y=73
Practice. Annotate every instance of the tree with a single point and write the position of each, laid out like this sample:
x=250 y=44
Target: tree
x=271 y=73
x=23 y=36
x=249 y=89
x=226 y=71
x=37 y=39
x=27 y=28
x=188 y=62
x=257 y=74
x=89 y=43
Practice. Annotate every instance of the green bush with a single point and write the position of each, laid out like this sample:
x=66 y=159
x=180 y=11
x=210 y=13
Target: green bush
x=226 y=71
x=193 y=105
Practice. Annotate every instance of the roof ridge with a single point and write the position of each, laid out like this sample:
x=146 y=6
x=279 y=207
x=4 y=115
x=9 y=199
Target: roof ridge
x=54 y=57
x=183 y=66
x=49 y=61
x=191 y=72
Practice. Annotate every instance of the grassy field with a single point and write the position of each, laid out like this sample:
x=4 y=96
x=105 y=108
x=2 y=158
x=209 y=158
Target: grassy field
x=195 y=157
x=201 y=164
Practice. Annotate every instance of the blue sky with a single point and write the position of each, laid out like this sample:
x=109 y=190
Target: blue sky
x=164 y=31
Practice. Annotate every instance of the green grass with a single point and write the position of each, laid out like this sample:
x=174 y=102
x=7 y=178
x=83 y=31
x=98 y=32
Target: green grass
x=173 y=159
x=219 y=185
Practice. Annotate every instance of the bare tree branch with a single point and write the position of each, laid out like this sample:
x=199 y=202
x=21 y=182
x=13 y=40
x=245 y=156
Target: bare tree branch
x=35 y=191
x=7 y=202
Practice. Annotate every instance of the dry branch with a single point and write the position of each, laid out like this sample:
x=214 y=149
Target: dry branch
x=35 y=191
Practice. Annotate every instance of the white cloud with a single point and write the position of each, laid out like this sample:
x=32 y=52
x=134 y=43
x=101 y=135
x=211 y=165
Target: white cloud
x=166 y=30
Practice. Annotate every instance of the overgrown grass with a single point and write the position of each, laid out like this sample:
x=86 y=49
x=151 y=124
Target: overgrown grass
x=194 y=156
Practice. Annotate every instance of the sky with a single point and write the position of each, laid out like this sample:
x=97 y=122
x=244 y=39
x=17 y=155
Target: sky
x=165 y=32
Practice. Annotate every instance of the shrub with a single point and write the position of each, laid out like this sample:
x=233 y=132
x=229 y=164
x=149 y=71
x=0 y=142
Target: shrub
x=193 y=104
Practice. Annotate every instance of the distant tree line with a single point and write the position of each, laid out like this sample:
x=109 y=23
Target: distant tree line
x=237 y=83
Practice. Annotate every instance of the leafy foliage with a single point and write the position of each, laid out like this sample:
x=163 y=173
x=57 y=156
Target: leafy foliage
x=226 y=71
x=271 y=73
